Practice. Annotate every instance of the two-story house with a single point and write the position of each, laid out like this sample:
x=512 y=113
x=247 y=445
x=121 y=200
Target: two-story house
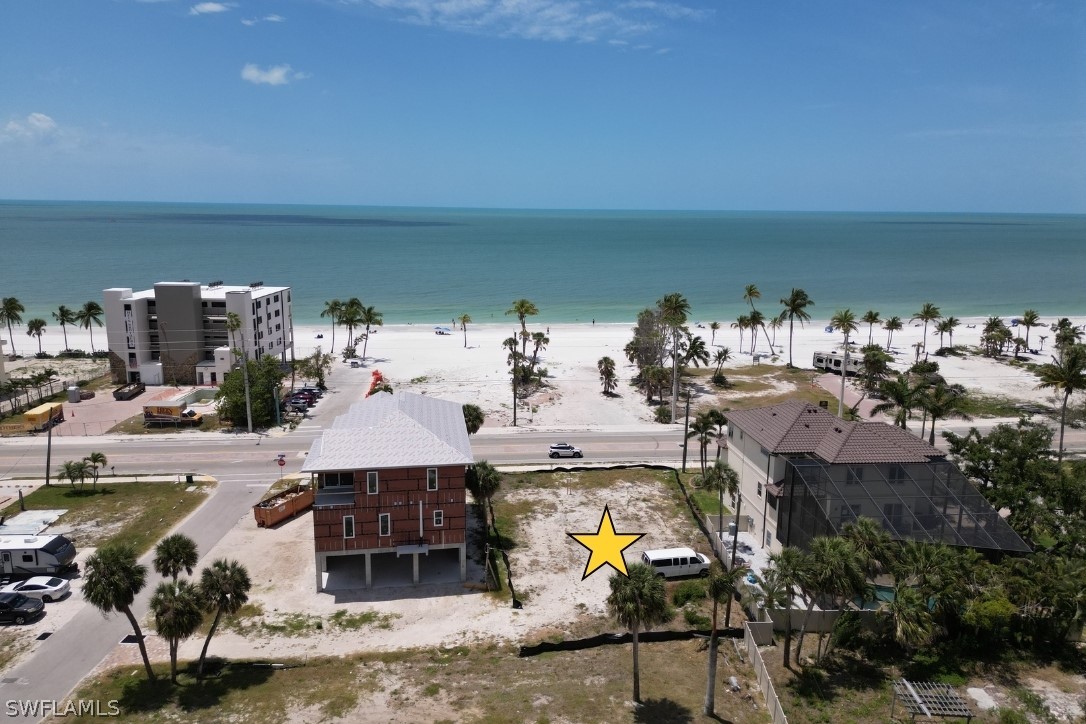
x=804 y=473
x=390 y=493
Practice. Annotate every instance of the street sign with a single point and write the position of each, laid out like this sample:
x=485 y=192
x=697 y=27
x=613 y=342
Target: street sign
x=282 y=462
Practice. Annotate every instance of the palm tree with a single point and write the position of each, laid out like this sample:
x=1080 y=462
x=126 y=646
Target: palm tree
x=65 y=316
x=696 y=351
x=722 y=355
x=88 y=317
x=701 y=429
x=523 y=308
x=473 y=418
x=1066 y=374
x=928 y=313
x=791 y=566
x=1030 y=318
x=638 y=601
x=175 y=553
x=942 y=401
x=775 y=323
x=34 y=328
x=483 y=482
x=721 y=587
x=722 y=478
x=741 y=323
x=720 y=420
x=756 y=320
x=835 y=571
x=465 y=320
x=333 y=308
x=1067 y=333
x=96 y=460
x=606 y=366
x=11 y=312
x=844 y=321
x=73 y=470
x=870 y=318
x=540 y=340
x=871 y=544
x=176 y=607
x=111 y=580
x=911 y=618
x=713 y=327
x=900 y=396
x=891 y=325
x=795 y=307
x=370 y=317
x=350 y=316
x=224 y=588
x=674 y=309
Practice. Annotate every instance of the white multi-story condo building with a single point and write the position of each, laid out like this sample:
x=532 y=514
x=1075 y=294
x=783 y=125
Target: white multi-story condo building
x=176 y=332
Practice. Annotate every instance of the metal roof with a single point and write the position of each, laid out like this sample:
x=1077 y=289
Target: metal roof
x=389 y=430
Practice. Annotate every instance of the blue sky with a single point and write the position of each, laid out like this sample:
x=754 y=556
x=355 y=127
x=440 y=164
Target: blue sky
x=630 y=104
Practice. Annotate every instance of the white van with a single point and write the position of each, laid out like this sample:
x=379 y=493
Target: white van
x=675 y=562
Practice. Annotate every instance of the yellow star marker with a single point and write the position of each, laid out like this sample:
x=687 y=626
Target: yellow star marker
x=606 y=546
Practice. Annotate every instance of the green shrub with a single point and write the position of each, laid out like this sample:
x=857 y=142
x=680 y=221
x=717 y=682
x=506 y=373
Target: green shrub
x=1011 y=716
x=663 y=414
x=687 y=591
x=695 y=619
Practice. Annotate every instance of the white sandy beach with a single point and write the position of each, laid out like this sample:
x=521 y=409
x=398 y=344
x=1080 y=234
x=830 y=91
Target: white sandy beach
x=413 y=357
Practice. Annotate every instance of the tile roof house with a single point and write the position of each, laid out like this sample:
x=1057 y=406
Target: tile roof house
x=804 y=473
x=389 y=479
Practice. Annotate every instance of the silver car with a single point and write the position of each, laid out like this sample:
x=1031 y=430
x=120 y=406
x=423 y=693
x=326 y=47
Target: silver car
x=45 y=588
x=564 y=450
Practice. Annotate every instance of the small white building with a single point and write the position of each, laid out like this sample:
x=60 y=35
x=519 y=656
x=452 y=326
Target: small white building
x=176 y=332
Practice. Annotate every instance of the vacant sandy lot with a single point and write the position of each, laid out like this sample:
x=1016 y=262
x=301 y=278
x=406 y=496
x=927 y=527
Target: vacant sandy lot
x=547 y=567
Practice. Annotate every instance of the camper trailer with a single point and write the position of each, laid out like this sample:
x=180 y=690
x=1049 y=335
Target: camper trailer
x=832 y=362
x=35 y=555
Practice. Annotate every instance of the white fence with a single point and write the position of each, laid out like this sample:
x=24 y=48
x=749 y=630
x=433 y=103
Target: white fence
x=752 y=634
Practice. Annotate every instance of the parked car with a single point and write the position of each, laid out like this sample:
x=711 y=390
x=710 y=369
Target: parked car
x=564 y=450
x=313 y=390
x=47 y=588
x=17 y=608
x=298 y=406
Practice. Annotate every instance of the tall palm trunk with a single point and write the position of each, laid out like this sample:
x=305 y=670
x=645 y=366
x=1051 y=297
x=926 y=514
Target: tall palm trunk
x=790 y=331
x=710 y=685
x=207 y=642
x=139 y=640
x=735 y=546
x=636 y=670
x=1063 y=424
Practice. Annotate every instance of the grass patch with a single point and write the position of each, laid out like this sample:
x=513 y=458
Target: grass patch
x=11 y=646
x=976 y=405
x=134 y=426
x=481 y=683
x=130 y=512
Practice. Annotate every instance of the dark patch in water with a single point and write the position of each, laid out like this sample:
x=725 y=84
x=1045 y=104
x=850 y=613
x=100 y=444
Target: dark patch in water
x=251 y=220
x=952 y=223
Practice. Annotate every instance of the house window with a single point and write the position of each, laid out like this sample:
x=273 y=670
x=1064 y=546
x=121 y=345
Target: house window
x=854 y=476
x=439 y=518
x=431 y=478
x=384 y=524
x=348 y=526
x=897 y=474
x=371 y=483
x=759 y=489
x=276 y=299
x=731 y=432
x=277 y=311
x=337 y=480
x=768 y=538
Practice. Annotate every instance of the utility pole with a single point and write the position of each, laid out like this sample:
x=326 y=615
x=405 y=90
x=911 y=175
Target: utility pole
x=514 y=353
x=686 y=430
x=844 y=374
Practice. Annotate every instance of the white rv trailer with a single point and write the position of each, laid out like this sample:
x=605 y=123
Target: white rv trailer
x=35 y=555
x=832 y=362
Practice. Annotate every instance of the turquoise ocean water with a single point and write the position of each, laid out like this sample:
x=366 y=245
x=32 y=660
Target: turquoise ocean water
x=430 y=265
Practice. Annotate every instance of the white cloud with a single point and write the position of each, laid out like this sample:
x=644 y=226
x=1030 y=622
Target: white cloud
x=34 y=127
x=272 y=75
x=557 y=20
x=209 y=8
x=266 y=19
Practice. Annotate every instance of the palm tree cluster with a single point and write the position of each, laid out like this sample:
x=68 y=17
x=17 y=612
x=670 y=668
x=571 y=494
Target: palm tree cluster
x=352 y=314
x=16 y=390
x=113 y=577
x=922 y=388
x=522 y=367
x=87 y=317
x=80 y=470
x=940 y=594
